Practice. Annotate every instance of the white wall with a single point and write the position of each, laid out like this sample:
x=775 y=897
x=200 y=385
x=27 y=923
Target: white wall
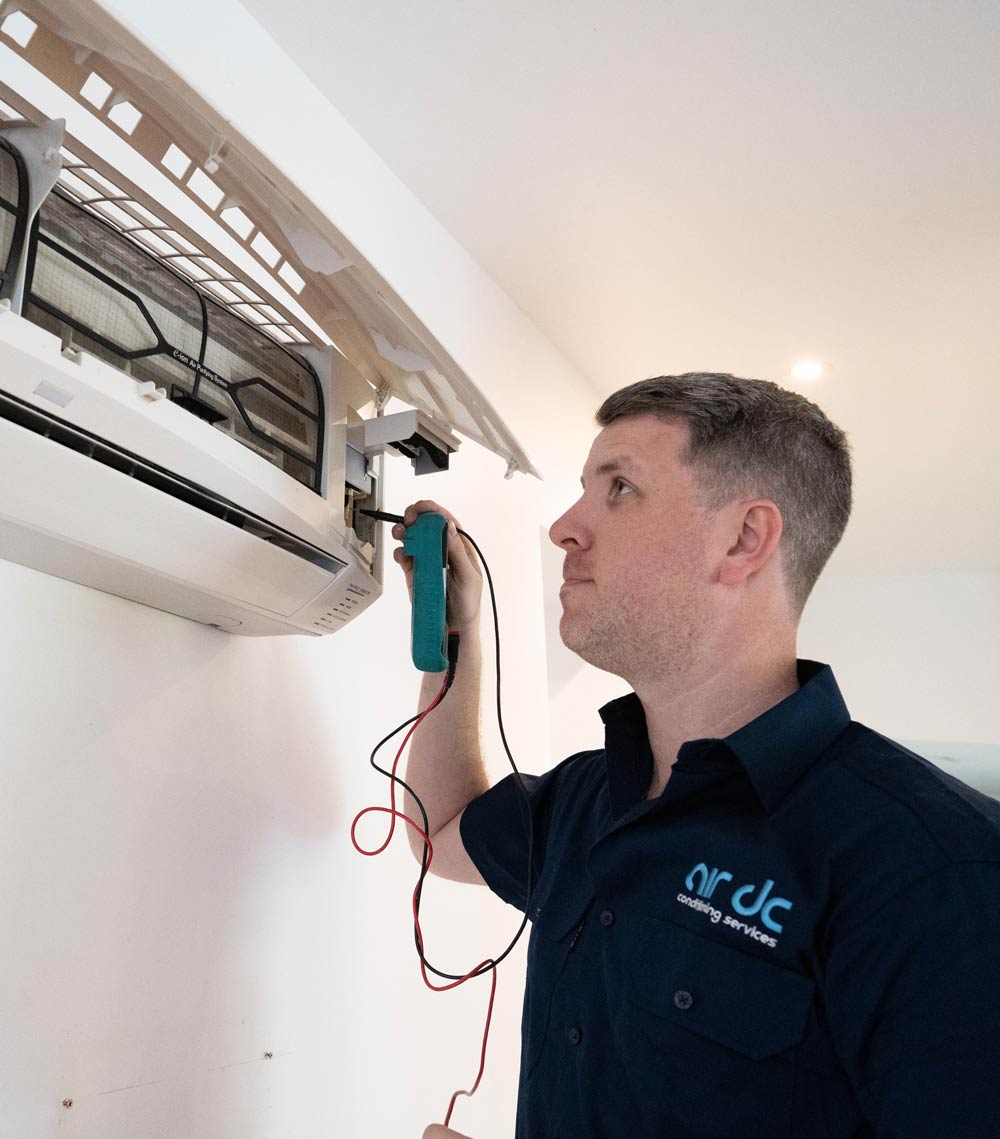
x=180 y=890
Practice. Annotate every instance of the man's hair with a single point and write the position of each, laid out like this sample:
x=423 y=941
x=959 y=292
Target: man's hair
x=753 y=439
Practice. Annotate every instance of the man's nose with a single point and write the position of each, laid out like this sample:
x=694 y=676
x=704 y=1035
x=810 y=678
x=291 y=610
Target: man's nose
x=563 y=528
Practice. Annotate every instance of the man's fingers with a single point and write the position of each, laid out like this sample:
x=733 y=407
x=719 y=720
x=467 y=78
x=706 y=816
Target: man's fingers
x=424 y=506
x=460 y=554
x=436 y=1131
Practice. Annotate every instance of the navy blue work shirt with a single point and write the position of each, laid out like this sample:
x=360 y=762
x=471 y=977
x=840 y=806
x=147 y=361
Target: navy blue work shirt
x=798 y=939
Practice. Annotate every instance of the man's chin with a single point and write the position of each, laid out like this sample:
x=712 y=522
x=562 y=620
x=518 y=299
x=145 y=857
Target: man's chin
x=580 y=641
x=569 y=632
x=574 y=636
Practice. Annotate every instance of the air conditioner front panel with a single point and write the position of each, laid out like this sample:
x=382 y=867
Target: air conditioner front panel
x=90 y=507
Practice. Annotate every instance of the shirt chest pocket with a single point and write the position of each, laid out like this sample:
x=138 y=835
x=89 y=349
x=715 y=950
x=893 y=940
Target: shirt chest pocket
x=708 y=1007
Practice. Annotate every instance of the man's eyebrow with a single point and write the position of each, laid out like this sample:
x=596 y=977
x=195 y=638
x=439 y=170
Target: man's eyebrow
x=619 y=463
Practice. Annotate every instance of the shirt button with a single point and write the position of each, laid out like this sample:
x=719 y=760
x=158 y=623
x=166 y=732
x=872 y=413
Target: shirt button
x=574 y=1036
x=607 y=917
x=683 y=999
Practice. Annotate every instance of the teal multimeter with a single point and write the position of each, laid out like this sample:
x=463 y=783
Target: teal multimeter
x=426 y=541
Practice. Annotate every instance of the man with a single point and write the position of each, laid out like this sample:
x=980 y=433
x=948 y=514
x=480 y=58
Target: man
x=752 y=916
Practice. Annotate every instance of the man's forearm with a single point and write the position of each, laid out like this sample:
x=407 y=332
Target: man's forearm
x=445 y=764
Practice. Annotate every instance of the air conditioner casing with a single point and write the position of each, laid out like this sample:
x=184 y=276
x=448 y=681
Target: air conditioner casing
x=105 y=479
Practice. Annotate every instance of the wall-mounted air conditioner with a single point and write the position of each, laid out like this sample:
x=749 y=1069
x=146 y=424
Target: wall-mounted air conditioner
x=194 y=364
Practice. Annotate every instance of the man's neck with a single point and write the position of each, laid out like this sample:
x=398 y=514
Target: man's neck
x=712 y=705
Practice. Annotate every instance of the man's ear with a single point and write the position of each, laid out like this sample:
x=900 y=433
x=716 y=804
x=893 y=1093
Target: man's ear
x=754 y=534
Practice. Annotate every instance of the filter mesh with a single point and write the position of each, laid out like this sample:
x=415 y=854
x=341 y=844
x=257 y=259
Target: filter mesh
x=97 y=286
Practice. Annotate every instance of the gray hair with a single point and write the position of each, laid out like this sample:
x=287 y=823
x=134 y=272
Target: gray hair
x=751 y=438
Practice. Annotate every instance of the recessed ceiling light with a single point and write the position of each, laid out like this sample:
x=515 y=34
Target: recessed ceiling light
x=807 y=370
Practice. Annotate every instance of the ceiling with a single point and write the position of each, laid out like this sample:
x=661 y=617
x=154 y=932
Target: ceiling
x=676 y=186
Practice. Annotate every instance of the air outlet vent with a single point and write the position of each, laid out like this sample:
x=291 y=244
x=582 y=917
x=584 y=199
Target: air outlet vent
x=101 y=451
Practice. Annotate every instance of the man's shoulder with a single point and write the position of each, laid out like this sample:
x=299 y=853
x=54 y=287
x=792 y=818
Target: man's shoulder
x=580 y=776
x=892 y=826
x=961 y=821
x=573 y=780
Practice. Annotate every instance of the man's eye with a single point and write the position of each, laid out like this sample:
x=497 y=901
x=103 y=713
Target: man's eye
x=618 y=482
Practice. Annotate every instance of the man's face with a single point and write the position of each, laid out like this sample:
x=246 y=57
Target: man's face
x=639 y=539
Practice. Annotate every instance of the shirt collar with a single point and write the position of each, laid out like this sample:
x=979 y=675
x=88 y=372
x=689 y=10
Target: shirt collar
x=775 y=749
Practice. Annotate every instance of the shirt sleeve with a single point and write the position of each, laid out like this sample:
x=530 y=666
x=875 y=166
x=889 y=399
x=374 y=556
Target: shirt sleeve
x=913 y=998
x=495 y=829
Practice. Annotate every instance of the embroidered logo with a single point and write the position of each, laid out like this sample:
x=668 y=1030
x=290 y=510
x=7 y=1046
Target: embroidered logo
x=705 y=882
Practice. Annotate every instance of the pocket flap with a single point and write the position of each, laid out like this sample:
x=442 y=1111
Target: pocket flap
x=733 y=998
x=559 y=904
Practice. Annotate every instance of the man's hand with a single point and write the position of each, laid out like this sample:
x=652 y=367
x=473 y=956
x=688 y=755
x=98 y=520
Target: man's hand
x=436 y=1131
